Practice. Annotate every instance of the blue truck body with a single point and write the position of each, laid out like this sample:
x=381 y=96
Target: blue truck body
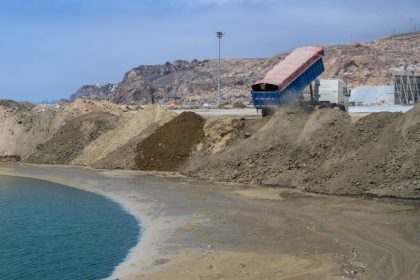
x=263 y=99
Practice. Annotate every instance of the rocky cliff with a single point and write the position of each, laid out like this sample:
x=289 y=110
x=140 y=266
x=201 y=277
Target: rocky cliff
x=194 y=82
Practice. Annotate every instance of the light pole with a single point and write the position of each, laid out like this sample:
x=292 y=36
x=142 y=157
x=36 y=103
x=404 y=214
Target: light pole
x=219 y=35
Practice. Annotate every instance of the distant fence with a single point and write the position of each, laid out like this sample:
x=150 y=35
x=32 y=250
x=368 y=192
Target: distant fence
x=407 y=88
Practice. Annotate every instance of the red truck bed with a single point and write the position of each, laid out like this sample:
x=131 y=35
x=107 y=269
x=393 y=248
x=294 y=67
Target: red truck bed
x=290 y=68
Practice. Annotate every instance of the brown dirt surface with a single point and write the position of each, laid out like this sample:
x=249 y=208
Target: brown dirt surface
x=131 y=126
x=246 y=265
x=24 y=126
x=72 y=137
x=198 y=230
x=125 y=156
x=220 y=132
x=172 y=144
x=325 y=152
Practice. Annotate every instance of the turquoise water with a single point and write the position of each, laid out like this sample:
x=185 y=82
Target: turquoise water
x=49 y=231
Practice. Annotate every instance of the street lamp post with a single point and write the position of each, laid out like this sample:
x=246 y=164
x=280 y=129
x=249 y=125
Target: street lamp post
x=219 y=35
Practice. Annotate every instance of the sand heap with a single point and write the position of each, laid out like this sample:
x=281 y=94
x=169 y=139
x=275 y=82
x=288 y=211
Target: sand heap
x=172 y=144
x=116 y=149
x=23 y=126
x=325 y=152
x=84 y=132
x=72 y=137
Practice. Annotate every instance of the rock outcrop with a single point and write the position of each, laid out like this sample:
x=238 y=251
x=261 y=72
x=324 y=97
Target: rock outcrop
x=94 y=92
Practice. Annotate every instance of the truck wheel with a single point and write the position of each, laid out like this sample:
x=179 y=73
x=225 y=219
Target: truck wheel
x=321 y=106
x=267 y=111
x=342 y=108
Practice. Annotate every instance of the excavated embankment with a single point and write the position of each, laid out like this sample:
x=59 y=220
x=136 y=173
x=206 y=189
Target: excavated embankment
x=325 y=152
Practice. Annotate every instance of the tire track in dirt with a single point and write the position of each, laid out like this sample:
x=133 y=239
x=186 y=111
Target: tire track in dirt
x=380 y=244
x=392 y=257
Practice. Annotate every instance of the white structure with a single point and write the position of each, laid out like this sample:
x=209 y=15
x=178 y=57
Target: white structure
x=372 y=95
x=331 y=93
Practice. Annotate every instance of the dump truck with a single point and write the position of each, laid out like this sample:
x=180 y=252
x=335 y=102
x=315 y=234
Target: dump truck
x=329 y=93
x=288 y=79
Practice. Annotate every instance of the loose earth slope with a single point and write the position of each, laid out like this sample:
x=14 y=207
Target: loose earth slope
x=130 y=126
x=172 y=144
x=325 y=152
x=24 y=126
x=72 y=137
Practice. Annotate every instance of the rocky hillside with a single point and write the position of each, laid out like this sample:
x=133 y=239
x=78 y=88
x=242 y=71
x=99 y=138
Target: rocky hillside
x=94 y=92
x=194 y=82
x=372 y=63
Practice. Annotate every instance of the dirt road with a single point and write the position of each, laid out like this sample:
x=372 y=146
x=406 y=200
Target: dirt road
x=218 y=113
x=213 y=231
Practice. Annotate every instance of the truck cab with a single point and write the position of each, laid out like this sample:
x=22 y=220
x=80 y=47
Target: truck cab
x=331 y=93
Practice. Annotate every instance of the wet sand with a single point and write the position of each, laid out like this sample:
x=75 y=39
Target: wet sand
x=199 y=230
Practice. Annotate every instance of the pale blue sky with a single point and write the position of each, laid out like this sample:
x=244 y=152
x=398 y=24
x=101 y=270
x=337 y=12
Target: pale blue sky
x=49 y=48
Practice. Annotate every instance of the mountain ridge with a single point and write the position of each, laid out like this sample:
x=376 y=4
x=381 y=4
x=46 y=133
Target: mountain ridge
x=194 y=82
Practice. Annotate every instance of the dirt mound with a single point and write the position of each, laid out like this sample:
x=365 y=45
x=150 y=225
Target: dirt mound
x=220 y=133
x=125 y=156
x=325 y=152
x=247 y=161
x=21 y=130
x=71 y=138
x=172 y=144
x=23 y=126
x=130 y=126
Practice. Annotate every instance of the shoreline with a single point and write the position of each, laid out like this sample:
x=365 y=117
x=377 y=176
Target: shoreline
x=143 y=252
x=202 y=230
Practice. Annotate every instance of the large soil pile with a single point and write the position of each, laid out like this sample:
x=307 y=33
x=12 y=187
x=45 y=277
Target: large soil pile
x=172 y=144
x=71 y=138
x=23 y=126
x=220 y=133
x=325 y=152
x=132 y=126
x=125 y=156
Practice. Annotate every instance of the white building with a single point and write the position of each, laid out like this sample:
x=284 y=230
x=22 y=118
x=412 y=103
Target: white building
x=372 y=95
